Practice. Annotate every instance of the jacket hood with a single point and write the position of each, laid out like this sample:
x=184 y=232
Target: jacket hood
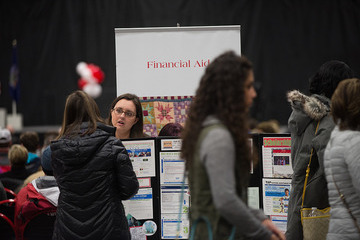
x=315 y=106
x=77 y=151
x=47 y=186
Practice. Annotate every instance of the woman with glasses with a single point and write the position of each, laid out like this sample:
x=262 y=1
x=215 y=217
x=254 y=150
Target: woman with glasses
x=215 y=146
x=126 y=115
x=94 y=174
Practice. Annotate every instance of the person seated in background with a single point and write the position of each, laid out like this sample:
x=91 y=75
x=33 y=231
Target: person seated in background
x=171 y=129
x=39 y=196
x=127 y=116
x=5 y=143
x=48 y=137
x=30 y=140
x=271 y=126
x=13 y=178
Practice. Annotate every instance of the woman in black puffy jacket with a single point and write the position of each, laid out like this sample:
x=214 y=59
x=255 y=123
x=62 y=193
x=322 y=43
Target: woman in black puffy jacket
x=94 y=175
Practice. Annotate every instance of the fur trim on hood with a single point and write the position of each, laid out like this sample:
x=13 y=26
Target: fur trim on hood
x=315 y=106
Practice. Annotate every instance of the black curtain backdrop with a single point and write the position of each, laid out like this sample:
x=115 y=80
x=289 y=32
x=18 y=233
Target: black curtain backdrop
x=286 y=40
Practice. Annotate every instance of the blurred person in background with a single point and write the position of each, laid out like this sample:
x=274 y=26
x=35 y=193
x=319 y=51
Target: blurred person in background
x=5 y=143
x=171 y=129
x=31 y=141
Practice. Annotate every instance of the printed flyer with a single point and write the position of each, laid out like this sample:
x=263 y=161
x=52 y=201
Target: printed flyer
x=276 y=154
x=141 y=205
x=172 y=168
x=142 y=156
x=276 y=194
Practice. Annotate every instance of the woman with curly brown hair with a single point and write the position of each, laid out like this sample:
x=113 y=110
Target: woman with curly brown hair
x=215 y=146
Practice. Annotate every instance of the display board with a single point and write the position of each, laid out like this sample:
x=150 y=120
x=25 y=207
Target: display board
x=168 y=61
x=174 y=190
x=273 y=175
x=142 y=209
x=153 y=213
x=160 y=209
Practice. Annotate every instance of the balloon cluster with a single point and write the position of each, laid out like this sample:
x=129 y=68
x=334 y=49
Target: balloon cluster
x=91 y=78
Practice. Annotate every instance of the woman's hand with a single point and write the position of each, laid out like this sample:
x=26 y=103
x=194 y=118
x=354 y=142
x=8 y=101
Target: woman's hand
x=277 y=234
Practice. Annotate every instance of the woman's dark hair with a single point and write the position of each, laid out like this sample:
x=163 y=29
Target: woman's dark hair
x=221 y=93
x=79 y=108
x=326 y=79
x=136 y=130
x=345 y=104
x=171 y=129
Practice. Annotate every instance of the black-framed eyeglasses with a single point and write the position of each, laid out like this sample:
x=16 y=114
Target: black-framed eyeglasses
x=120 y=111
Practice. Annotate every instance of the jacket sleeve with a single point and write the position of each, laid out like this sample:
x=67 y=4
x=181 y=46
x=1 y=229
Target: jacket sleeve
x=322 y=138
x=352 y=159
x=126 y=178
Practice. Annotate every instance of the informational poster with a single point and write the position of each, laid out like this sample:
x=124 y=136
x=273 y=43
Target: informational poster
x=174 y=227
x=281 y=158
x=137 y=233
x=276 y=154
x=142 y=156
x=174 y=191
x=144 y=182
x=171 y=144
x=172 y=168
x=276 y=194
x=174 y=214
x=253 y=197
x=170 y=199
x=169 y=61
x=280 y=222
x=141 y=205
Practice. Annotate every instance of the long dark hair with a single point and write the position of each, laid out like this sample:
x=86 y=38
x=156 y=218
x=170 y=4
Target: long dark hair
x=79 y=108
x=136 y=130
x=221 y=93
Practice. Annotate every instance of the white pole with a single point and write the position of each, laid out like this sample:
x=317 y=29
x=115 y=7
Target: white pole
x=14 y=108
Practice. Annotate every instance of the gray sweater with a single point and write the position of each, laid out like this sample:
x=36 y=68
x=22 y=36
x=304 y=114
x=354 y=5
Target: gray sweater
x=217 y=152
x=342 y=163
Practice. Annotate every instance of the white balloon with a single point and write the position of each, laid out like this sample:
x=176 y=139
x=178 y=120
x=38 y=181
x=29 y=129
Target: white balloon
x=93 y=89
x=84 y=71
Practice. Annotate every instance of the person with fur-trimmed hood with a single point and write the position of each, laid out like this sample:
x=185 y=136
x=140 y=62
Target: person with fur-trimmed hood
x=307 y=112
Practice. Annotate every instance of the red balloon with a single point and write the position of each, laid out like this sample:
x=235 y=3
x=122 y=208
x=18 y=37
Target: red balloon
x=97 y=73
x=81 y=83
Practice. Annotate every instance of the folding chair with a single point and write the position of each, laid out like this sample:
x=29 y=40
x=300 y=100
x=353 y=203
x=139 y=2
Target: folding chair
x=7 y=229
x=7 y=207
x=10 y=193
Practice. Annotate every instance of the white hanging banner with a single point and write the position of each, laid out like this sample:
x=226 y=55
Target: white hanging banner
x=168 y=61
